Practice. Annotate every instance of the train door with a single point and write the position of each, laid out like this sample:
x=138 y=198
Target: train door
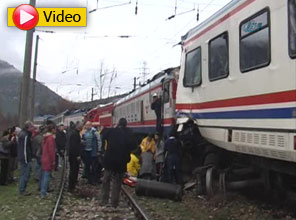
x=166 y=104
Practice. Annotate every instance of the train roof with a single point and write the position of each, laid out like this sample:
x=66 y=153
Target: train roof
x=216 y=16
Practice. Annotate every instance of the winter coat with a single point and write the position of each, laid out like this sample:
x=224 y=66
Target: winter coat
x=159 y=155
x=96 y=143
x=133 y=166
x=172 y=149
x=6 y=147
x=61 y=141
x=156 y=106
x=48 y=152
x=24 y=148
x=148 y=146
x=36 y=145
x=120 y=144
x=147 y=163
x=75 y=147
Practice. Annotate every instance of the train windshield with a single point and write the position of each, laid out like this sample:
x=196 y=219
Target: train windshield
x=192 y=75
x=292 y=28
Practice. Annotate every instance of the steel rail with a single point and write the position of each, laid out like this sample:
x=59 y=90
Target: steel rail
x=134 y=204
x=61 y=190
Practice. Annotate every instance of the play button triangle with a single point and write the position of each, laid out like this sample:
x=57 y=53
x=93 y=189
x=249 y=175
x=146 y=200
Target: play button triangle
x=25 y=17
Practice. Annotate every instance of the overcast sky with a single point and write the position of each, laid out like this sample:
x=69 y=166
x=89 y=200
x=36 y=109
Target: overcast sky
x=70 y=58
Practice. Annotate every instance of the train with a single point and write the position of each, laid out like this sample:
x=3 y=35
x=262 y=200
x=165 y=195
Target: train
x=237 y=82
x=136 y=106
x=68 y=116
x=232 y=101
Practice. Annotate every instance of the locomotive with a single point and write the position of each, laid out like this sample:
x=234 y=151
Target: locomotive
x=136 y=106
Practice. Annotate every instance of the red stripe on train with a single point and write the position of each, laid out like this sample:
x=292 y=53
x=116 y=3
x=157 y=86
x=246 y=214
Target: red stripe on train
x=272 y=98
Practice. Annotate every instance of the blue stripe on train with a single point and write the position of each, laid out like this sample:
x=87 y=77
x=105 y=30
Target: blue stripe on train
x=278 y=113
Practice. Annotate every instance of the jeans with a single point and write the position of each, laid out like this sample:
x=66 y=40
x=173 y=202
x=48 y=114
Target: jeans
x=116 y=186
x=25 y=176
x=88 y=166
x=44 y=182
x=37 y=169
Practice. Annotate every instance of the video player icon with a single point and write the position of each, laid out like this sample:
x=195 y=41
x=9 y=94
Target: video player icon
x=25 y=17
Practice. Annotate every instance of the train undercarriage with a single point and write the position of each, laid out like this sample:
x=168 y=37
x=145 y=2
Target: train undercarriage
x=219 y=171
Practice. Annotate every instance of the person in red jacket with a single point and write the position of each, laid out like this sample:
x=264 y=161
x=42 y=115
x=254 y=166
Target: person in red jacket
x=47 y=157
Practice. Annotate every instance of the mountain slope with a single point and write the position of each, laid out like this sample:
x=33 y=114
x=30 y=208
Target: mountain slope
x=46 y=101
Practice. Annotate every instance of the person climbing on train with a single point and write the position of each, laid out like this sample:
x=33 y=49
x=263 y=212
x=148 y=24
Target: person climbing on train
x=172 y=152
x=121 y=142
x=159 y=156
x=48 y=157
x=156 y=106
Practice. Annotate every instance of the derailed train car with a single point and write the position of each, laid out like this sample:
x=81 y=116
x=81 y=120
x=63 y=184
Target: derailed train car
x=236 y=95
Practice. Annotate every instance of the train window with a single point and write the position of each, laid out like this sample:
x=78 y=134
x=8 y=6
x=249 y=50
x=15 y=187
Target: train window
x=192 y=75
x=255 y=41
x=166 y=92
x=218 y=57
x=292 y=28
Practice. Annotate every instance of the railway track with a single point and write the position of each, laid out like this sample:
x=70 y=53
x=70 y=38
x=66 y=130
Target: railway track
x=85 y=204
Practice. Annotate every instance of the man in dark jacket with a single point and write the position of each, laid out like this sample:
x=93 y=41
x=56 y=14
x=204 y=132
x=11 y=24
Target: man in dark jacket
x=172 y=150
x=25 y=156
x=61 y=141
x=156 y=106
x=75 y=150
x=120 y=143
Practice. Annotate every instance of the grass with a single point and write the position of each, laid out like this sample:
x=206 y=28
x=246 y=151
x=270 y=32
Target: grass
x=15 y=207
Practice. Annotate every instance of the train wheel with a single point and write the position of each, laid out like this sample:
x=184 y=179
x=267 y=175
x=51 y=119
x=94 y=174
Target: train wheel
x=212 y=181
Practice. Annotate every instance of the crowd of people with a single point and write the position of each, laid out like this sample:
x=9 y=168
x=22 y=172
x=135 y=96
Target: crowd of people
x=109 y=152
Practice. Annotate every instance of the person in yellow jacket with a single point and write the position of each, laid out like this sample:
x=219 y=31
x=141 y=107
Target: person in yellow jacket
x=148 y=144
x=133 y=167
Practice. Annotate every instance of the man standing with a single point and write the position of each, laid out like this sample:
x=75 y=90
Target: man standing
x=120 y=144
x=25 y=156
x=75 y=150
x=172 y=150
x=156 y=106
x=61 y=141
x=92 y=141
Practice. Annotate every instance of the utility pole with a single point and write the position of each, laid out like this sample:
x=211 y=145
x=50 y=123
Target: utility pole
x=144 y=71
x=135 y=83
x=34 y=79
x=92 y=94
x=24 y=98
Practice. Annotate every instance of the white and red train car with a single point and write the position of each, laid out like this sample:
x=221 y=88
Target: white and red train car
x=136 y=106
x=238 y=82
